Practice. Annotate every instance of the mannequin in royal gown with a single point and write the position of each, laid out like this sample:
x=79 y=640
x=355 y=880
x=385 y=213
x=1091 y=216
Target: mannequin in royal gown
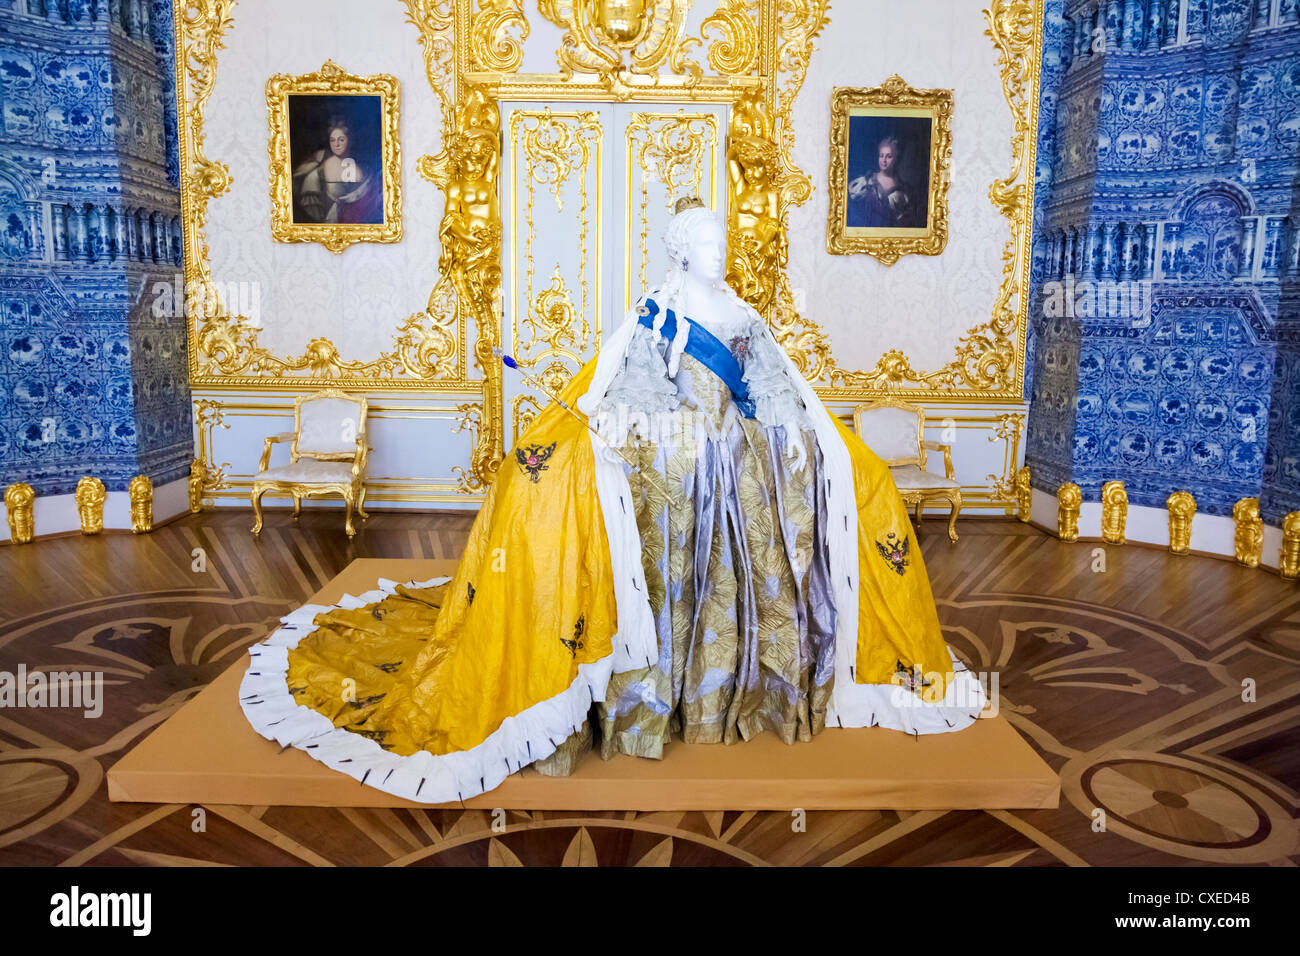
x=698 y=549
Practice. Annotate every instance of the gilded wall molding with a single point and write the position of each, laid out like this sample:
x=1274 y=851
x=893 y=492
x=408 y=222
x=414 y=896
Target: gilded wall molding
x=473 y=50
x=224 y=351
x=989 y=364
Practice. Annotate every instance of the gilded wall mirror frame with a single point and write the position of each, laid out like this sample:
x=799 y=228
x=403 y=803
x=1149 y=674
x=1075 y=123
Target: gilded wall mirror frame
x=316 y=118
x=877 y=209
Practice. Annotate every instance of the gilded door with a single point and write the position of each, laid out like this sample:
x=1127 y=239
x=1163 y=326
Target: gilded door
x=588 y=189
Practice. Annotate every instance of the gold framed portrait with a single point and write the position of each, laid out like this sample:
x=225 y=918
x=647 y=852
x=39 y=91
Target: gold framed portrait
x=890 y=157
x=335 y=158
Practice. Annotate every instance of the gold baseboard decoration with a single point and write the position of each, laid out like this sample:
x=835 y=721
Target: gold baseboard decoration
x=1114 y=512
x=19 y=500
x=140 y=491
x=1024 y=494
x=198 y=476
x=90 y=504
x=1248 y=536
x=1182 y=508
x=1289 y=558
x=1069 y=499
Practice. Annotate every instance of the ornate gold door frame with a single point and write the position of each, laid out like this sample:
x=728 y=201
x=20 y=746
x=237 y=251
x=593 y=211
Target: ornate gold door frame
x=606 y=59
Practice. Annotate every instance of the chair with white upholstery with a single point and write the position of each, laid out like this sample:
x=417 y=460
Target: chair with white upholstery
x=895 y=431
x=327 y=455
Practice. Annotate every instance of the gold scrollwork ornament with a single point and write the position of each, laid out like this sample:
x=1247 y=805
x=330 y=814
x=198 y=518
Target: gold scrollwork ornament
x=1288 y=560
x=621 y=40
x=1248 y=533
x=1182 y=508
x=1069 y=499
x=1114 y=512
x=90 y=504
x=19 y=501
x=140 y=491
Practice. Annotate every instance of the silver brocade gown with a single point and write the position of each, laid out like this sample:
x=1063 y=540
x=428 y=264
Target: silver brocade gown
x=735 y=555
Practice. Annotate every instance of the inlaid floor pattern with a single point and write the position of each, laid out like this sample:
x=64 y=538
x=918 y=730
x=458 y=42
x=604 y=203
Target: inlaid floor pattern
x=1164 y=690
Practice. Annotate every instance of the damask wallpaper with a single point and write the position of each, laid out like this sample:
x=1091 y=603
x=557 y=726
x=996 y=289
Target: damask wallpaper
x=92 y=358
x=1166 y=253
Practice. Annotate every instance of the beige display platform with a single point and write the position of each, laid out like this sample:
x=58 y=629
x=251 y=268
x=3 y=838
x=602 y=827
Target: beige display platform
x=207 y=753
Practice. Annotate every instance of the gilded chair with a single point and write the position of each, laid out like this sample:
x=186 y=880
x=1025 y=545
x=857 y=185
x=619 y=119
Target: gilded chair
x=327 y=455
x=895 y=431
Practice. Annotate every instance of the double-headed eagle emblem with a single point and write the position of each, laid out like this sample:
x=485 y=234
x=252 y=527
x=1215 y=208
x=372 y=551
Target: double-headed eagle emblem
x=895 y=551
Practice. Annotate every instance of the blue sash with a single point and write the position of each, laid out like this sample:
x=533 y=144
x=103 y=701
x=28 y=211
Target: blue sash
x=703 y=346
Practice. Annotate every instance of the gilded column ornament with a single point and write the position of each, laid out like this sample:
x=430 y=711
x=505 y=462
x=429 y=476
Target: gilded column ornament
x=1024 y=494
x=1288 y=561
x=1069 y=498
x=470 y=233
x=198 y=475
x=756 y=240
x=90 y=504
x=19 y=501
x=1182 y=507
x=1114 y=512
x=141 y=493
x=1248 y=536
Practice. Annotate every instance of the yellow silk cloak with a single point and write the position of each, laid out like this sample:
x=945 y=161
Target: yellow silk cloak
x=439 y=669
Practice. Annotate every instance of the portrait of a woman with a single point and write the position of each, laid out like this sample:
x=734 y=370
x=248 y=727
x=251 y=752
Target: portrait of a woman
x=338 y=183
x=888 y=184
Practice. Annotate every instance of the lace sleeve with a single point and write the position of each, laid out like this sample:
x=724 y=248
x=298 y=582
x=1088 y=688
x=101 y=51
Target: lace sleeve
x=643 y=383
x=776 y=402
